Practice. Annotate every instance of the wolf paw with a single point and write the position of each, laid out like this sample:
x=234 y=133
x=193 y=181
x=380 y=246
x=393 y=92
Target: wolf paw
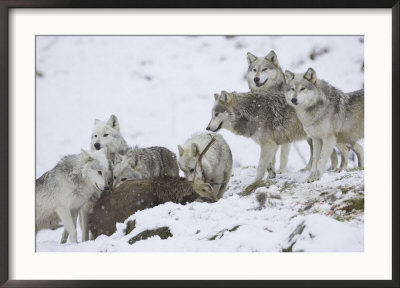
x=280 y=171
x=305 y=169
x=314 y=176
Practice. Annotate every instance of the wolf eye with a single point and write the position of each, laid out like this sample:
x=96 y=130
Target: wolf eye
x=95 y=136
x=123 y=179
x=265 y=69
x=216 y=114
x=105 y=135
x=302 y=89
x=100 y=173
x=292 y=89
x=255 y=70
x=191 y=170
x=115 y=177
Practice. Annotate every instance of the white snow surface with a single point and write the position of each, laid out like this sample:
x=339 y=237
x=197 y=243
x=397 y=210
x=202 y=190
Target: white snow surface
x=161 y=89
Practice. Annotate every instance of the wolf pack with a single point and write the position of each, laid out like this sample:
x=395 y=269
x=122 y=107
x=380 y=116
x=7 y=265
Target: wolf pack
x=112 y=180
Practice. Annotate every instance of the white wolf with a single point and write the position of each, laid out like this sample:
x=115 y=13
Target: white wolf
x=63 y=190
x=215 y=165
x=327 y=114
x=105 y=134
x=144 y=163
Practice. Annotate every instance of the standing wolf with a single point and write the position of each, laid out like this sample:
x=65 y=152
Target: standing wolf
x=62 y=191
x=327 y=114
x=263 y=117
x=105 y=134
x=144 y=163
x=208 y=160
x=265 y=74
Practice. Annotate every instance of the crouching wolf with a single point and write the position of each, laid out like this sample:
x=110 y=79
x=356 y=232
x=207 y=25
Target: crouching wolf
x=263 y=117
x=132 y=196
x=63 y=190
x=207 y=157
x=144 y=163
x=327 y=114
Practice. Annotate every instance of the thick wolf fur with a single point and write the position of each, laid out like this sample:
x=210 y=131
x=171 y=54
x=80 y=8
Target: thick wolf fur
x=144 y=163
x=105 y=134
x=328 y=115
x=264 y=117
x=265 y=74
x=216 y=162
x=135 y=195
x=62 y=191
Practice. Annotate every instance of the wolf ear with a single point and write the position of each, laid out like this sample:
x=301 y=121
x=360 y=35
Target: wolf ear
x=181 y=150
x=116 y=158
x=225 y=97
x=87 y=156
x=195 y=149
x=288 y=76
x=216 y=95
x=311 y=76
x=113 y=122
x=251 y=58
x=134 y=161
x=272 y=57
x=96 y=121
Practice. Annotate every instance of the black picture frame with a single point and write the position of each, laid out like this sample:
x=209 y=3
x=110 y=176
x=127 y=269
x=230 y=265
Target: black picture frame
x=6 y=5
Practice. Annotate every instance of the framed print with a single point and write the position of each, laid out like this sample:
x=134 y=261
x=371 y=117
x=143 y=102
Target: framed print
x=224 y=145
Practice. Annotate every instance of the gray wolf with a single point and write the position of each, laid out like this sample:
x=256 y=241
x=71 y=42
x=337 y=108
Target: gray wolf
x=144 y=163
x=135 y=195
x=328 y=115
x=264 y=117
x=265 y=74
x=63 y=190
x=215 y=165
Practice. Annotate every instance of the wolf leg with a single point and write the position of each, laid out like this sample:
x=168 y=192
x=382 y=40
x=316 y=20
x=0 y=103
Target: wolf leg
x=309 y=164
x=284 y=157
x=267 y=154
x=326 y=150
x=344 y=153
x=66 y=219
x=83 y=219
x=317 y=145
x=64 y=237
x=334 y=160
x=358 y=149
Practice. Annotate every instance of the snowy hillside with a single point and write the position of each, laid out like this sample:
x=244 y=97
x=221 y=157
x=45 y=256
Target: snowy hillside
x=161 y=89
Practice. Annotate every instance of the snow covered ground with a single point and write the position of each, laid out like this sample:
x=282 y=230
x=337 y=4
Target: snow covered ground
x=161 y=89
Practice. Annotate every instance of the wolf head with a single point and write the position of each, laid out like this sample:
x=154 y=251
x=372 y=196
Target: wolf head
x=128 y=167
x=107 y=134
x=222 y=115
x=205 y=191
x=301 y=89
x=188 y=157
x=264 y=72
x=96 y=169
